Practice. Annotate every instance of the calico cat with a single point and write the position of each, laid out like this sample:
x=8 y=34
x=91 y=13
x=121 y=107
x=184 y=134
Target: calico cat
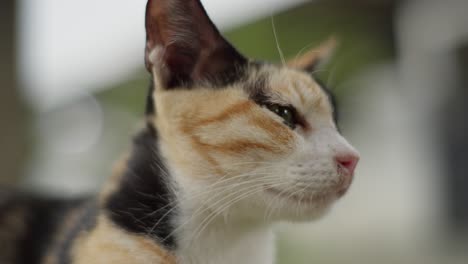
x=230 y=146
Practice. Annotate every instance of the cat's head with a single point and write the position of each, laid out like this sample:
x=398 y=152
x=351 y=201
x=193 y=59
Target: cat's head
x=241 y=133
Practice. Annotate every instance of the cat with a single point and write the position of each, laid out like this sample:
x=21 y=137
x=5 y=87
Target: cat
x=230 y=146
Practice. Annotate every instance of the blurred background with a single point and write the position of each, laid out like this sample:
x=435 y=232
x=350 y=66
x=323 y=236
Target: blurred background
x=73 y=87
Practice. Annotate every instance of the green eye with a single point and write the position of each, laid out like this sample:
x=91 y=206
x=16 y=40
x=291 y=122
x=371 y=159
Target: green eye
x=285 y=112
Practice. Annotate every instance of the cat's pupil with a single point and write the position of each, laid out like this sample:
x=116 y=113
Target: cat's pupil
x=286 y=113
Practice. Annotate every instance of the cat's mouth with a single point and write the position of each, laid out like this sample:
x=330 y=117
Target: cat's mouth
x=301 y=197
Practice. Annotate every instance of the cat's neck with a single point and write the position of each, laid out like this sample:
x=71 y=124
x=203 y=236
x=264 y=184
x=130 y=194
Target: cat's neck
x=205 y=235
x=222 y=241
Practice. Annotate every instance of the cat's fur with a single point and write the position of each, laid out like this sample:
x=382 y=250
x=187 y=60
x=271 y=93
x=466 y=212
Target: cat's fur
x=230 y=146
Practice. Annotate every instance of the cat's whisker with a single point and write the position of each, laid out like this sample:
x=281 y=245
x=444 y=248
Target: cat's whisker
x=225 y=197
x=280 y=52
x=331 y=78
x=213 y=215
x=207 y=192
x=318 y=70
x=204 y=209
x=199 y=194
x=277 y=197
x=274 y=184
x=207 y=201
x=225 y=179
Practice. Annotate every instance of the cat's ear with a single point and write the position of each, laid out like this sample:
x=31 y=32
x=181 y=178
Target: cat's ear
x=310 y=60
x=183 y=45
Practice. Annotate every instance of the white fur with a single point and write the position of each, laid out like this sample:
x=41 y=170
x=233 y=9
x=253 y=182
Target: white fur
x=229 y=244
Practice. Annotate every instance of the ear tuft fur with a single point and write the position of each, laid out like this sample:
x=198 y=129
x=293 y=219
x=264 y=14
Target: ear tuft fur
x=310 y=60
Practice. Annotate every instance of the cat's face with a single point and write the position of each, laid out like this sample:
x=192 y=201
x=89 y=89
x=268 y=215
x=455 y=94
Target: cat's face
x=238 y=134
x=271 y=137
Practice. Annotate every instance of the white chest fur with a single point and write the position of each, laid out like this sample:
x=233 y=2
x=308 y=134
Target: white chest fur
x=230 y=246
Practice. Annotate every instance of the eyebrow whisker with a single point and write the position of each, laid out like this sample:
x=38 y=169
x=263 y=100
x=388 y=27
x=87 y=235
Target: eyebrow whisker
x=273 y=26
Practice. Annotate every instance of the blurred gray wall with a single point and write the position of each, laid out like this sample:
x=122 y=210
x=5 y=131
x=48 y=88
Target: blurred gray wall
x=455 y=136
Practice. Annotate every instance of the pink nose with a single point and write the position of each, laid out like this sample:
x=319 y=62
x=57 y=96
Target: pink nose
x=347 y=163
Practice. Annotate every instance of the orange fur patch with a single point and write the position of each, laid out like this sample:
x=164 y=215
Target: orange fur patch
x=230 y=112
x=110 y=244
x=247 y=110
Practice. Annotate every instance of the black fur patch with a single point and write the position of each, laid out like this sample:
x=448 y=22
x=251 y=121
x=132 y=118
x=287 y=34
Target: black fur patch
x=231 y=73
x=234 y=74
x=42 y=219
x=144 y=197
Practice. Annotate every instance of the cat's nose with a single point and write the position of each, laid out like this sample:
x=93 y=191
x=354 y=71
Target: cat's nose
x=347 y=163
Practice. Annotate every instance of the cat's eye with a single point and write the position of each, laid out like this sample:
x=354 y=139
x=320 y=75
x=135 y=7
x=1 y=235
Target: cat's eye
x=285 y=112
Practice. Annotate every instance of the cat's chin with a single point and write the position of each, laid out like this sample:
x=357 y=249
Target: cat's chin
x=308 y=215
x=299 y=209
x=298 y=215
x=302 y=199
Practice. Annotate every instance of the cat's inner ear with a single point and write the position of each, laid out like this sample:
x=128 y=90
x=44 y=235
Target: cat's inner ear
x=315 y=57
x=183 y=45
